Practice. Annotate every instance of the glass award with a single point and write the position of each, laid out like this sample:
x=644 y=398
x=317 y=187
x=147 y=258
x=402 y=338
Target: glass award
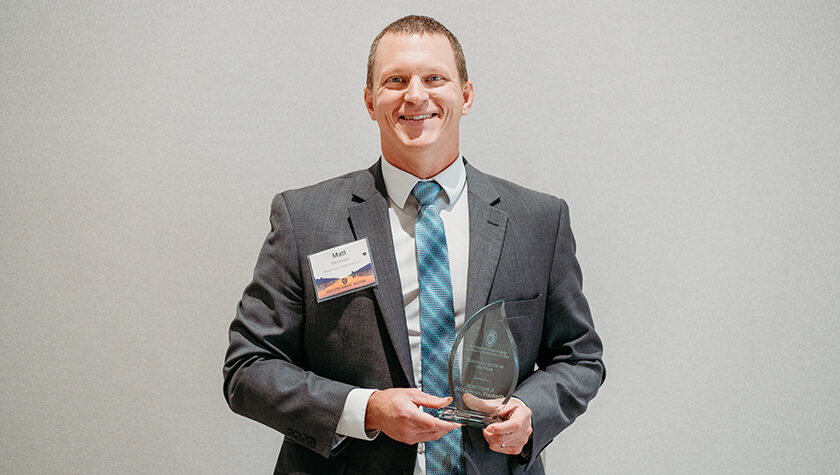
x=483 y=368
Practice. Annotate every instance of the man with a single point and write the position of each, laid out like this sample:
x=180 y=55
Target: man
x=340 y=377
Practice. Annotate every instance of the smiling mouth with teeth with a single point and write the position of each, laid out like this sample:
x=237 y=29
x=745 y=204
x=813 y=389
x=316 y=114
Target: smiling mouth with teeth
x=417 y=117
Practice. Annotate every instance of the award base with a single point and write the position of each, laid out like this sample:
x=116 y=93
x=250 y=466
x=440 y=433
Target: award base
x=466 y=417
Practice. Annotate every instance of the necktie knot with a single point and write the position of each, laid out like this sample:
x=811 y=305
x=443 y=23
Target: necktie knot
x=426 y=192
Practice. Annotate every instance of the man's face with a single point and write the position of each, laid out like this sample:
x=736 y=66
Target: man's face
x=417 y=97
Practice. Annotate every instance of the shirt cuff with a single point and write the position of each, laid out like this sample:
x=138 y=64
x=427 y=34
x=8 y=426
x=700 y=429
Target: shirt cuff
x=352 y=421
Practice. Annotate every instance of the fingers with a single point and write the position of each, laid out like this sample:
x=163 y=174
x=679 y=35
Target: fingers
x=511 y=435
x=422 y=427
x=399 y=414
x=434 y=402
x=432 y=430
x=507 y=442
x=425 y=420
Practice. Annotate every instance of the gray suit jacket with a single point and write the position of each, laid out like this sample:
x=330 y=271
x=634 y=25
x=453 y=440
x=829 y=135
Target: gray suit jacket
x=292 y=361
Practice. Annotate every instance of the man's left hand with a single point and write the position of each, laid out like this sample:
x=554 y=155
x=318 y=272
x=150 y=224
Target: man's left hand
x=510 y=435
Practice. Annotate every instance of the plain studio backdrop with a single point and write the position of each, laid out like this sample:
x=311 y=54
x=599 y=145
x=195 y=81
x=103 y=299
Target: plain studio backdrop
x=696 y=143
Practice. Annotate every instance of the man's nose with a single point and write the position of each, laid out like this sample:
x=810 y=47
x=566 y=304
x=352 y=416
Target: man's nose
x=416 y=92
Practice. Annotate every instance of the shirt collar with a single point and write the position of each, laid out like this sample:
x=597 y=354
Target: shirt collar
x=399 y=183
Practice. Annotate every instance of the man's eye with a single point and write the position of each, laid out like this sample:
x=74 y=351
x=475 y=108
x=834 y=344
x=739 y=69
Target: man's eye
x=435 y=77
x=394 y=80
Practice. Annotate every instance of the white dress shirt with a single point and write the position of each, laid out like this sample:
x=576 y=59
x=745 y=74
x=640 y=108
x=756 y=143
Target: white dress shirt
x=402 y=211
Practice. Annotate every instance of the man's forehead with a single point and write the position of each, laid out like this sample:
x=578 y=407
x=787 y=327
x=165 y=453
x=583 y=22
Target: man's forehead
x=394 y=48
x=415 y=39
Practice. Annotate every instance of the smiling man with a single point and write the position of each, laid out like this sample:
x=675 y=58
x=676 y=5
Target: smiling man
x=349 y=369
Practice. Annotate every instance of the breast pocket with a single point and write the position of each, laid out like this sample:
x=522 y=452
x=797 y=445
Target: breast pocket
x=517 y=308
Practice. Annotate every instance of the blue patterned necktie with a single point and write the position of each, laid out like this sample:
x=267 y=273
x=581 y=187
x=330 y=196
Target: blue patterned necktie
x=437 y=321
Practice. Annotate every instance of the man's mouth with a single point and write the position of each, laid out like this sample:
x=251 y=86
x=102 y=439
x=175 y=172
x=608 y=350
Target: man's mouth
x=417 y=117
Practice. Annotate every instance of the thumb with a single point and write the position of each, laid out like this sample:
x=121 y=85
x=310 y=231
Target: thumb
x=489 y=406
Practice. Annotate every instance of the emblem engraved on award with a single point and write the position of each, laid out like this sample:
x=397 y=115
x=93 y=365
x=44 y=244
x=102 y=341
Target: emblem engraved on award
x=483 y=368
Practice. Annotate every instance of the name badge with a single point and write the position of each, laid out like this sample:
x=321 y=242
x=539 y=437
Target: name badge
x=341 y=270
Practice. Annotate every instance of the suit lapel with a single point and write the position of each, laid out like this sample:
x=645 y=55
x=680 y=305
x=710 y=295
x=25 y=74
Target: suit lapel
x=369 y=219
x=487 y=233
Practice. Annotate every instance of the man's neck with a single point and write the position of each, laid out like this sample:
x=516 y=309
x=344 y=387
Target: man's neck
x=422 y=165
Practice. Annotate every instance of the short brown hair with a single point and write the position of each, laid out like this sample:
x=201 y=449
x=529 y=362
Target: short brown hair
x=418 y=24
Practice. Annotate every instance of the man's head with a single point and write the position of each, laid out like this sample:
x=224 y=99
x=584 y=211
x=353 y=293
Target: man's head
x=417 y=90
x=418 y=25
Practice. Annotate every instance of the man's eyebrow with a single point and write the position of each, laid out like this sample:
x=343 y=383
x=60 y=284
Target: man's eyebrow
x=438 y=69
x=389 y=72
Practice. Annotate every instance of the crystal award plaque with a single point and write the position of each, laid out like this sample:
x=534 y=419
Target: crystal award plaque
x=483 y=368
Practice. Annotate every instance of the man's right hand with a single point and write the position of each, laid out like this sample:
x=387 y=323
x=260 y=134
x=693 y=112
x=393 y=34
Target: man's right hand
x=398 y=412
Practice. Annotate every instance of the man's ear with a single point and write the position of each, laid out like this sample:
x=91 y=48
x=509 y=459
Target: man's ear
x=369 y=103
x=469 y=95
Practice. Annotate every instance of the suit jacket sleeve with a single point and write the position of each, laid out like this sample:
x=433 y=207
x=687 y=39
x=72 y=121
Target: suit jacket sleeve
x=266 y=375
x=569 y=356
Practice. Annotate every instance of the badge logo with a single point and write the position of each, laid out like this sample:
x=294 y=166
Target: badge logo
x=490 y=338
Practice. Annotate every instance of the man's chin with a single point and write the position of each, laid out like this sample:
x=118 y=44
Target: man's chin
x=418 y=142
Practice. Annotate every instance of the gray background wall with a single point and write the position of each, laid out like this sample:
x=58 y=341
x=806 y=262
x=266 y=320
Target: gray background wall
x=696 y=143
